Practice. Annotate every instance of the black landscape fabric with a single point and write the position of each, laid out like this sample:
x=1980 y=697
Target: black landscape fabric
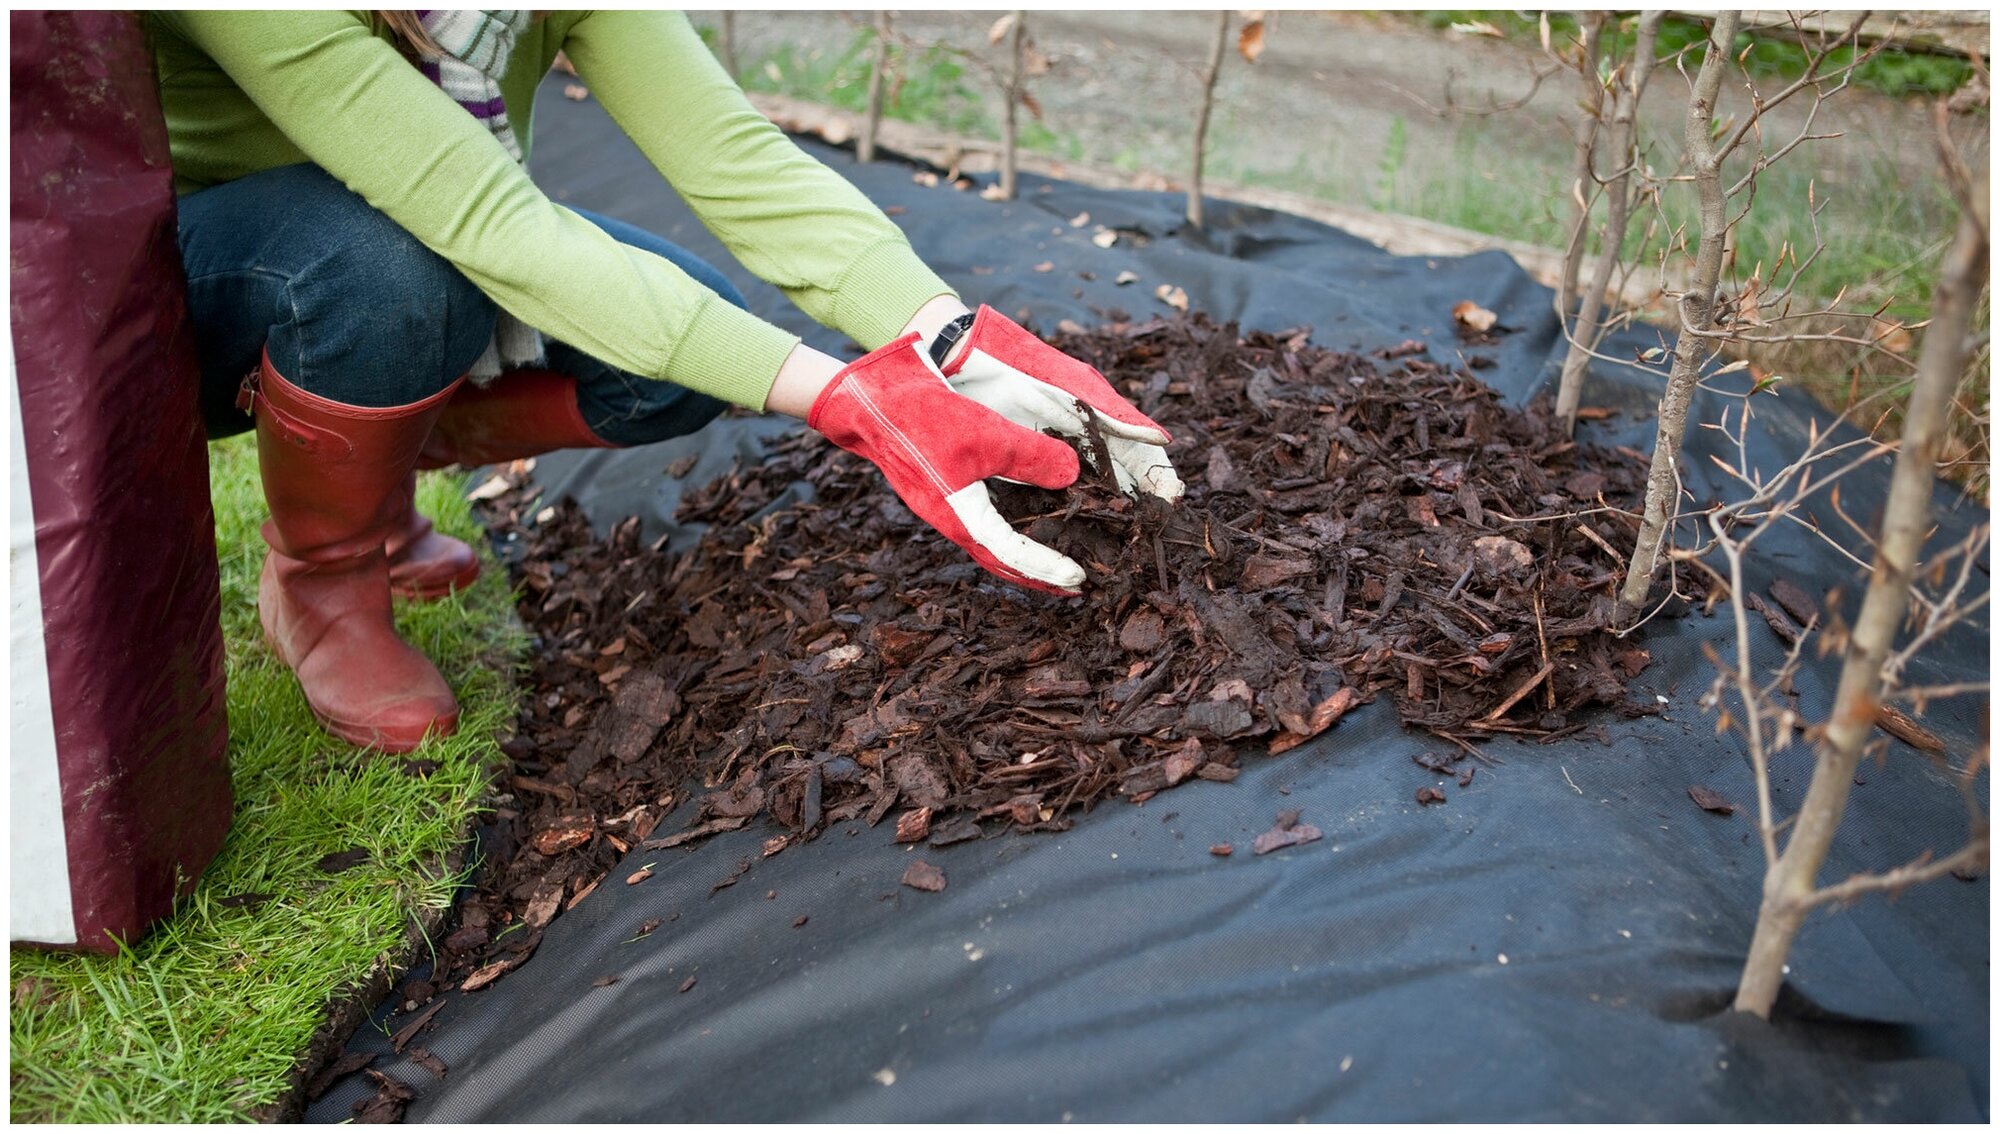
x=1559 y=940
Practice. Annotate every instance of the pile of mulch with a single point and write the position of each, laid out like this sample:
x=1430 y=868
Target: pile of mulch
x=1355 y=527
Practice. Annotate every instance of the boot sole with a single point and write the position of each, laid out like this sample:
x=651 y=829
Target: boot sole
x=368 y=736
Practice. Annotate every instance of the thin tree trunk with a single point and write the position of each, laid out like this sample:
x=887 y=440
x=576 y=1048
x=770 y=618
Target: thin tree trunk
x=871 y=122
x=1201 y=117
x=1618 y=211
x=1696 y=312
x=1009 y=132
x=1790 y=882
x=728 y=45
x=1584 y=174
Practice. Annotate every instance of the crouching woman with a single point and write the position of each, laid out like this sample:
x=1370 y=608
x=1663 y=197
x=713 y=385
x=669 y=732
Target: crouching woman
x=378 y=287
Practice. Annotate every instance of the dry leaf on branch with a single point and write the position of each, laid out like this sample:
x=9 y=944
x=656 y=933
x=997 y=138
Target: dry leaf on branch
x=1000 y=28
x=1250 y=41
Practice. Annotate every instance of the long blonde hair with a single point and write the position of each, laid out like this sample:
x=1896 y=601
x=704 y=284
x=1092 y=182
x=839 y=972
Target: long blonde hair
x=410 y=30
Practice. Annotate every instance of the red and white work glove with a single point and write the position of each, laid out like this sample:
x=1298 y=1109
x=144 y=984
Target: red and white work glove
x=1030 y=383
x=937 y=447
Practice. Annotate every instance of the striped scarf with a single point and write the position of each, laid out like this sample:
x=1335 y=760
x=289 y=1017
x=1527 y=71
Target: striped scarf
x=476 y=46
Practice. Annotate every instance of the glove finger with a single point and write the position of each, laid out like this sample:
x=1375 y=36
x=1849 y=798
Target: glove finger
x=999 y=548
x=1035 y=458
x=1146 y=466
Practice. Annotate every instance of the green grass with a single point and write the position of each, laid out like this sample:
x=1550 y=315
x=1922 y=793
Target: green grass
x=928 y=86
x=204 y=1019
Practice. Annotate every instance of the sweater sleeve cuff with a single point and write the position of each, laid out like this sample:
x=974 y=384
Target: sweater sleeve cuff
x=731 y=354
x=882 y=290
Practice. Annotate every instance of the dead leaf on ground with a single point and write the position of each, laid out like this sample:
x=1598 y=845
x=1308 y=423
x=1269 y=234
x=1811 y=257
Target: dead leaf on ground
x=1499 y=556
x=1105 y=237
x=1710 y=800
x=1128 y=276
x=1473 y=317
x=575 y=92
x=1046 y=266
x=923 y=876
x=1172 y=296
x=1287 y=831
x=1079 y=220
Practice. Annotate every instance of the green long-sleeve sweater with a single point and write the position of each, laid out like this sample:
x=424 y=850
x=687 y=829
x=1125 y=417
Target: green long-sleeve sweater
x=247 y=91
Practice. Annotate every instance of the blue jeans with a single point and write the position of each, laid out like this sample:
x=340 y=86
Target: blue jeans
x=356 y=310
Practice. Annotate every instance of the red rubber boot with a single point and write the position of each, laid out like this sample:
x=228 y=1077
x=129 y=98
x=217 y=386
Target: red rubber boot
x=523 y=413
x=336 y=480
x=424 y=563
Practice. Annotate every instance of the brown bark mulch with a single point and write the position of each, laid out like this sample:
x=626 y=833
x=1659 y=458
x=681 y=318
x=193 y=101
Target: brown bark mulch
x=1356 y=527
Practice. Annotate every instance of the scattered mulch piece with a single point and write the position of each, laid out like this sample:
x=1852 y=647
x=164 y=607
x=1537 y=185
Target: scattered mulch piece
x=1356 y=527
x=1787 y=632
x=485 y=974
x=1222 y=850
x=392 y=1096
x=1905 y=728
x=242 y=901
x=605 y=981
x=467 y=938
x=422 y=1057
x=420 y=769
x=1465 y=777
x=415 y=1024
x=1710 y=800
x=959 y=831
x=1429 y=795
x=334 y=1072
x=416 y=993
x=741 y=868
x=567 y=833
x=687 y=984
x=1439 y=762
x=914 y=825
x=800 y=920
x=1795 y=600
x=923 y=876
x=638 y=876
x=342 y=860
x=1286 y=832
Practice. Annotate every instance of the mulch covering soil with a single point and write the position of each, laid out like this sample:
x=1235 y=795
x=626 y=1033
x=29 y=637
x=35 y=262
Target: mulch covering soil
x=1355 y=527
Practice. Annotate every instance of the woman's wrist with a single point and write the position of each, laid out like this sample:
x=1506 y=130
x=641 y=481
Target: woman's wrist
x=807 y=372
x=933 y=315
x=800 y=380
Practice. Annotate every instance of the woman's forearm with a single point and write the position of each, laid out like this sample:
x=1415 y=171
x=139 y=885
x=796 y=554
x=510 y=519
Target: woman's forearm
x=806 y=371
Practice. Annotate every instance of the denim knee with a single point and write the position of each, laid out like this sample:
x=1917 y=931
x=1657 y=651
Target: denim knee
x=370 y=316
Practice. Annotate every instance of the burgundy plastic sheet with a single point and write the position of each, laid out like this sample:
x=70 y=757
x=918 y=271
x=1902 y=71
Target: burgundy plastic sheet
x=123 y=534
